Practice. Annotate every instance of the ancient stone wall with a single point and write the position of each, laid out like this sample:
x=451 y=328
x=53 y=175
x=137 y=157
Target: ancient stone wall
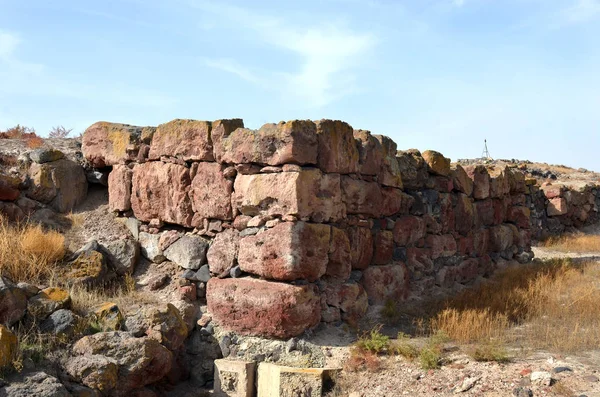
x=302 y=222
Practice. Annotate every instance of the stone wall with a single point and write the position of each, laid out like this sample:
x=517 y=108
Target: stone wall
x=302 y=222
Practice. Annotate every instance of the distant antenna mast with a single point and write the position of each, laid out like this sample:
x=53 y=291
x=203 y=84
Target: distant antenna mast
x=486 y=152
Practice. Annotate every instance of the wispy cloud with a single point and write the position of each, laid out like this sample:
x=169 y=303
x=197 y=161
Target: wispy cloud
x=458 y=3
x=231 y=66
x=328 y=54
x=582 y=11
x=8 y=44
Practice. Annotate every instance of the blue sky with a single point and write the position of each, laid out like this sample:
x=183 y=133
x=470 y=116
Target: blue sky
x=431 y=74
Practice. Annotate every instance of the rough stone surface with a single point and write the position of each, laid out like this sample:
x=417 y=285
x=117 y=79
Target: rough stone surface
x=557 y=206
x=361 y=197
x=106 y=144
x=337 y=148
x=13 y=302
x=122 y=255
x=45 y=155
x=437 y=163
x=184 y=139
x=383 y=283
x=8 y=346
x=48 y=301
x=36 y=384
x=166 y=326
x=340 y=260
x=293 y=142
x=119 y=188
x=263 y=308
x=287 y=252
x=481 y=181
x=160 y=191
x=210 y=192
x=461 y=180
x=361 y=247
x=188 y=252
x=223 y=252
x=140 y=361
x=61 y=184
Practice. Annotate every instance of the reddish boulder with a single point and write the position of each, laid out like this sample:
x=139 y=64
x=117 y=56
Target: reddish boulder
x=463 y=221
x=481 y=181
x=221 y=129
x=119 y=188
x=485 y=212
x=292 y=142
x=553 y=191
x=385 y=283
x=9 y=188
x=370 y=153
x=389 y=174
x=361 y=247
x=557 y=206
x=337 y=148
x=481 y=240
x=516 y=180
x=308 y=194
x=441 y=246
x=340 y=256
x=384 y=247
x=160 y=191
x=501 y=206
x=520 y=216
x=288 y=251
x=61 y=184
x=105 y=144
x=361 y=197
x=351 y=298
x=263 y=308
x=409 y=229
x=210 y=192
x=184 y=139
x=461 y=180
x=223 y=252
x=395 y=201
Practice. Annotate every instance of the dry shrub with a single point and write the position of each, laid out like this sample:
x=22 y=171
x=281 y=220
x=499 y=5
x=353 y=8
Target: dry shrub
x=27 y=252
x=34 y=142
x=18 y=132
x=557 y=301
x=59 y=132
x=77 y=220
x=574 y=243
x=362 y=360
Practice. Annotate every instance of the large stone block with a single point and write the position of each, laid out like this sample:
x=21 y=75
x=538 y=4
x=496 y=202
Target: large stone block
x=234 y=378
x=106 y=144
x=384 y=247
x=370 y=153
x=383 y=283
x=160 y=191
x=481 y=181
x=184 y=139
x=361 y=247
x=337 y=147
x=461 y=180
x=188 y=252
x=441 y=246
x=520 y=216
x=413 y=169
x=340 y=256
x=485 y=212
x=263 y=308
x=361 y=197
x=516 y=180
x=464 y=211
x=222 y=253
x=409 y=229
x=292 y=142
x=288 y=251
x=61 y=184
x=557 y=206
x=390 y=169
x=119 y=188
x=308 y=194
x=350 y=298
x=210 y=192
x=437 y=163
x=395 y=202
x=279 y=381
x=499 y=182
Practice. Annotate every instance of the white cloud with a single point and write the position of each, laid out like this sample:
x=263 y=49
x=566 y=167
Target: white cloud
x=8 y=44
x=327 y=54
x=458 y=3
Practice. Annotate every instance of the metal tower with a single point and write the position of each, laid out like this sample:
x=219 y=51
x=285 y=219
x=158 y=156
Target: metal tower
x=486 y=152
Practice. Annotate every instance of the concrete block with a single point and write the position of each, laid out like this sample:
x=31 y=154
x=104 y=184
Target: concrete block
x=234 y=378
x=279 y=381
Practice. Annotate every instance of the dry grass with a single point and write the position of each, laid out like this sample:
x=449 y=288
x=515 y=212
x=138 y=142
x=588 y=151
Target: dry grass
x=28 y=253
x=76 y=220
x=555 y=304
x=574 y=243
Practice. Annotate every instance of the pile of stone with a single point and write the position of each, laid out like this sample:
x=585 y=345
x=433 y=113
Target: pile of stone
x=301 y=222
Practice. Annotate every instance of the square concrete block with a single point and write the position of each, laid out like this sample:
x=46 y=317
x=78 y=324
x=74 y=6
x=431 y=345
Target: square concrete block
x=279 y=381
x=234 y=378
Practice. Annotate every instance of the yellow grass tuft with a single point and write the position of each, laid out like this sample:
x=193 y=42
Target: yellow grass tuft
x=556 y=302
x=574 y=243
x=27 y=252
